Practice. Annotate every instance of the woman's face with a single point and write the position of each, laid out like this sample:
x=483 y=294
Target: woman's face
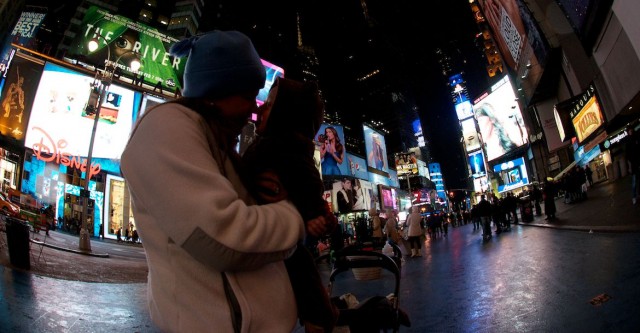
x=265 y=110
x=236 y=109
x=329 y=134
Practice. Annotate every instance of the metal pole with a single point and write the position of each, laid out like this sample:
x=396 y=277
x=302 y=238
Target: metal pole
x=85 y=242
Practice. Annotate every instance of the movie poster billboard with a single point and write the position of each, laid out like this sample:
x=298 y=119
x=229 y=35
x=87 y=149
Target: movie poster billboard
x=476 y=163
x=500 y=120
x=23 y=33
x=511 y=175
x=406 y=164
x=333 y=153
x=17 y=97
x=124 y=40
x=376 y=149
x=59 y=126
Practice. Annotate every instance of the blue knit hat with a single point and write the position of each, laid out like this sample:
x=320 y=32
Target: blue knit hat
x=220 y=64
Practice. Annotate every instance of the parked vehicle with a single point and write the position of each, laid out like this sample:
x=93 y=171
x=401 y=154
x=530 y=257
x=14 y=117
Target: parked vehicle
x=7 y=207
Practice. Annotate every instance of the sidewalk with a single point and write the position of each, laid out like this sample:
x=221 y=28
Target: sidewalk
x=608 y=208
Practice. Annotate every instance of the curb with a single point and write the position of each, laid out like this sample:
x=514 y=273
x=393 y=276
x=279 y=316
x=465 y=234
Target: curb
x=87 y=253
x=589 y=229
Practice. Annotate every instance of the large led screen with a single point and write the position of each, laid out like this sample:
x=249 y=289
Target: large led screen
x=122 y=38
x=273 y=72
x=500 y=120
x=376 y=149
x=333 y=153
x=471 y=140
x=464 y=110
x=511 y=175
x=476 y=163
x=59 y=126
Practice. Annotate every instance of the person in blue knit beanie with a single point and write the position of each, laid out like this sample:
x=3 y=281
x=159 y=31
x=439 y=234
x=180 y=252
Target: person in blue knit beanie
x=215 y=257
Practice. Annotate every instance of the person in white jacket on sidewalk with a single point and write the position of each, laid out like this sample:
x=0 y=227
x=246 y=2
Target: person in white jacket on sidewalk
x=415 y=231
x=215 y=258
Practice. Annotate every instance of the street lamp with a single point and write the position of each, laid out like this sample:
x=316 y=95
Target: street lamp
x=99 y=88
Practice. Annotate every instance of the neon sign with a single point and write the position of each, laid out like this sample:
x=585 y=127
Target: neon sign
x=53 y=152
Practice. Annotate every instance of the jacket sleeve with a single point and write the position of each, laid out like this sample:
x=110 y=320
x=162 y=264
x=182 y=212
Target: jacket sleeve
x=172 y=174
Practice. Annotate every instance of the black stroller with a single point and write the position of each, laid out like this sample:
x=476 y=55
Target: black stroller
x=376 y=313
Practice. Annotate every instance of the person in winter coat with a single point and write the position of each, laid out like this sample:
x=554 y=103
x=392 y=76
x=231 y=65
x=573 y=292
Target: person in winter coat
x=215 y=258
x=376 y=226
x=391 y=228
x=415 y=231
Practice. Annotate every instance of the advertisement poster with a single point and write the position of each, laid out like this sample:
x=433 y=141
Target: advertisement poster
x=376 y=149
x=500 y=120
x=357 y=167
x=123 y=40
x=333 y=153
x=406 y=163
x=471 y=140
x=59 y=126
x=273 y=72
x=17 y=97
x=476 y=163
x=511 y=175
x=588 y=120
x=22 y=34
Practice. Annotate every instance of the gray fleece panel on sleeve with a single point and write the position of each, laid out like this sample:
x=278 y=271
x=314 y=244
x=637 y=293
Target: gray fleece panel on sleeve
x=200 y=246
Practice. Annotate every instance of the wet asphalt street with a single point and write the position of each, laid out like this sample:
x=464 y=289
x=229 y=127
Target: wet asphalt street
x=529 y=279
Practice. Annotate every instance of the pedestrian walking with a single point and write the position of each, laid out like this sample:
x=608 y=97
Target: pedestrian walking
x=415 y=231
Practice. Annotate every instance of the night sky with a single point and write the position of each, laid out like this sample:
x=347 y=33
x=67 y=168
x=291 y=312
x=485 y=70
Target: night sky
x=411 y=34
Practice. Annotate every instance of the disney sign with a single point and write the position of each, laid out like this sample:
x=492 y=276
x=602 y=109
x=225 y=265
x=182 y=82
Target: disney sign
x=50 y=151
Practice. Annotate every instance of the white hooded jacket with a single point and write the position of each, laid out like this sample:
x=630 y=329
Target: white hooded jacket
x=196 y=222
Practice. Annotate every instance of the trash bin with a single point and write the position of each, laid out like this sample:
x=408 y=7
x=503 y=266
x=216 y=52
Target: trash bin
x=526 y=211
x=18 y=243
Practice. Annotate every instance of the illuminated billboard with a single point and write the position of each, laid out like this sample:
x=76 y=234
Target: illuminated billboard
x=333 y=153
x=273 y=72
x=511 y=175
x=586 y=114
x=406 y=163
x=464 y=110
x=387 y=197
x=470 y=134
x=476 y=163
x=500 y=120
x=357 y=167
x=22 y=34
x=118 y=36
x=17 y=96
x=349 y=194
x=518 y=37
x=58 y=125
x=376 y=149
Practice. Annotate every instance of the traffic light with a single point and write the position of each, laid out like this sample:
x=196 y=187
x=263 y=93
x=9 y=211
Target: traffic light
x=93 y=103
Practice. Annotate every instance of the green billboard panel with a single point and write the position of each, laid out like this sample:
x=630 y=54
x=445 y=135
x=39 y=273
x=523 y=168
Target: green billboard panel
x=121 y=40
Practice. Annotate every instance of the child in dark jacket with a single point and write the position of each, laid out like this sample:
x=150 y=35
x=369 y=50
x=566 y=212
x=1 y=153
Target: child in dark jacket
x=284 y=147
